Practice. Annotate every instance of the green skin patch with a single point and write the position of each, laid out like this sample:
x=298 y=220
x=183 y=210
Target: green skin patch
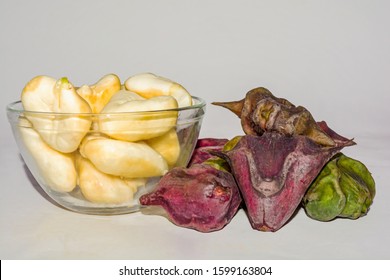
x=344 y=188
x=218 y=163
x=231 y=143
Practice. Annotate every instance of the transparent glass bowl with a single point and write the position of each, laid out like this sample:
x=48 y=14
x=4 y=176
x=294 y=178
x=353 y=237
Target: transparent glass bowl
x=110 y=168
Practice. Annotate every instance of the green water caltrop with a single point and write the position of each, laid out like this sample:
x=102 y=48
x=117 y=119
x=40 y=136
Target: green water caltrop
x=344 y=188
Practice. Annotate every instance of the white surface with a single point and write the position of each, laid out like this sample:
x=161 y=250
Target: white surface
x=330 y=56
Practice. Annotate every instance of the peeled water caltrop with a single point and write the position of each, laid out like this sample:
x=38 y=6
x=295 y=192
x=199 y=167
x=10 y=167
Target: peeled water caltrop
x=46 y=94
x=105 y=139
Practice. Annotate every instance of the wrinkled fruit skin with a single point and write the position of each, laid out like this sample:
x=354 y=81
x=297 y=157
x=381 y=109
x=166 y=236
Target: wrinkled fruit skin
x=200 y=197
x=204 y=149
x=261 y=111
x=344 y=188
x=273 y=172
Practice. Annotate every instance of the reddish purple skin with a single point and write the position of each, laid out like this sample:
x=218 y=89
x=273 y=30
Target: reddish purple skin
x=208 y=142
x=201 y=197
x=273 y=172
x=204 y=149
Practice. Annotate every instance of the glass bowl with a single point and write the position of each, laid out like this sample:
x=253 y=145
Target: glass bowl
x=109 y=165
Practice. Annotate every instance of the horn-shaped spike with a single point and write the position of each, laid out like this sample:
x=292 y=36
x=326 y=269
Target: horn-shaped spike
x=234 y=106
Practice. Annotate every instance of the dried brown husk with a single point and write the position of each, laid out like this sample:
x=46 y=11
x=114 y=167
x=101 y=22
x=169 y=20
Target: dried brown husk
x=261 y=111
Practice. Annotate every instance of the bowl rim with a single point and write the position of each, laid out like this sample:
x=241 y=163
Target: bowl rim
x=12 y=107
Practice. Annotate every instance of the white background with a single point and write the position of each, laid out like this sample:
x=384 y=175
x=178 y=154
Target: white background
x=333 y=57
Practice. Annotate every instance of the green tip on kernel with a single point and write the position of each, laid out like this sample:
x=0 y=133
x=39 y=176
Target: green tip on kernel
x=63 y=83
x=64 y=80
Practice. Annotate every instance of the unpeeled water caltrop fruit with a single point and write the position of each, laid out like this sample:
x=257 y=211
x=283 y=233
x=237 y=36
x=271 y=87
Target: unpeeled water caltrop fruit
x=282 y=153
x=344 y=188
x=200 y=197
x=204 y=196
x=261 y=111
x=204 y=149
x=273 y=172
x=273 y=165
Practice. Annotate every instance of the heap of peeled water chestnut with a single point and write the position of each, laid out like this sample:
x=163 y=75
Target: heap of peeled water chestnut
x=109 y=157
x=284 y=160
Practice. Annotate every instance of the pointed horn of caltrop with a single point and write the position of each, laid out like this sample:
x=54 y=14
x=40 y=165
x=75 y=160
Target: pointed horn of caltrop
x=234 y=106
